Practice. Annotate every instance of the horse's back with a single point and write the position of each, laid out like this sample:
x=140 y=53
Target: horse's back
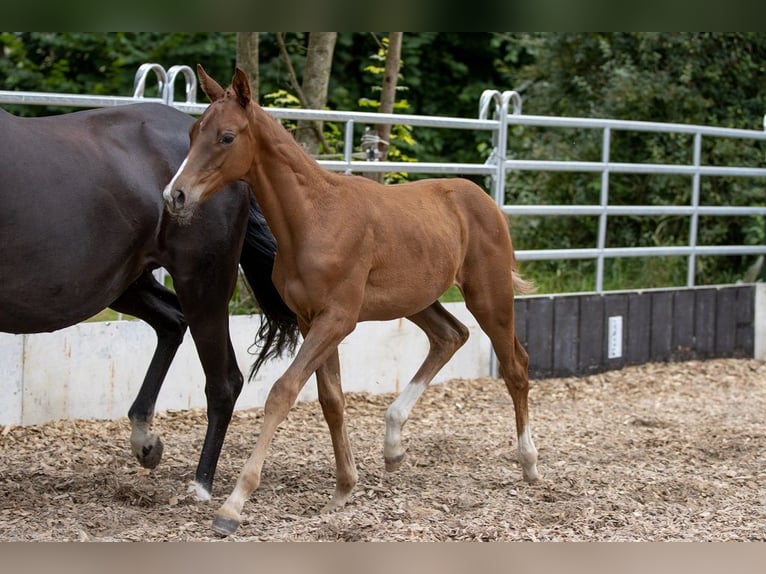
x=81 y=208
x=452 y=211
x=89 y=148
x=416 y=236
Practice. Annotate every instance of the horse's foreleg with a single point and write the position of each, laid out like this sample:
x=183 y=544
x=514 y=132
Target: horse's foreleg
x=321 y=341
x=445 y=335
x=159 y=307
x=333 y=403
x=223 y=384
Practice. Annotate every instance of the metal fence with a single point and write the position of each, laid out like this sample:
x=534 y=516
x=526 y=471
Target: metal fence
x=498 y=111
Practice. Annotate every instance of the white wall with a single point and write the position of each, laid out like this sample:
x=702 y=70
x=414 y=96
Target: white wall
x=94 y=370
x=760 y=322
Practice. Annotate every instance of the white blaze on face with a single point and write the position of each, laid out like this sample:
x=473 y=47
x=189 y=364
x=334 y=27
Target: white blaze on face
x=166 y=194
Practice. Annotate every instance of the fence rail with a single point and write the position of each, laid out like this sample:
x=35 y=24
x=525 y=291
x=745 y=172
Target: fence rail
x=497 y=113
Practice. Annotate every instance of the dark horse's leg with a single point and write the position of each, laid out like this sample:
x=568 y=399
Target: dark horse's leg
x=204 y=286
x=204 y=263
x=204 y=296
x=159 y=307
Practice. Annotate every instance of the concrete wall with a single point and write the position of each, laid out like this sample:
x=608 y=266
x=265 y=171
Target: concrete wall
x=760 y=322
x=94 y=370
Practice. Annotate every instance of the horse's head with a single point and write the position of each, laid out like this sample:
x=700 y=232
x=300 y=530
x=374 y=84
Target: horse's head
x=221 y=149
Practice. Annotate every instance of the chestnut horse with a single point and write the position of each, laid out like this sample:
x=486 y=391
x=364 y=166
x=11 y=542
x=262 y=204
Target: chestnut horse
x=82 y=226
x=352 y=250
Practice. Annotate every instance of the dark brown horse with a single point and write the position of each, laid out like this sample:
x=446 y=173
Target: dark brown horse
x=353 y=250
x=82 y=226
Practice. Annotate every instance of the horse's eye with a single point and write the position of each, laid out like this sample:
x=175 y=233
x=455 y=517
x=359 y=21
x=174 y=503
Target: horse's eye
x=227 y=138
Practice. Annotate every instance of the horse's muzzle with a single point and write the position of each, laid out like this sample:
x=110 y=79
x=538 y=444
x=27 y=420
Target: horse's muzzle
x=175 y=199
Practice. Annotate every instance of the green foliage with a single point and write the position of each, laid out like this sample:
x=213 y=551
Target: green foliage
x=103 y=63
x=242 y=301
x=702 y=78
x=452 y=295
x=689 y=78
x=283 y=99
x=401 y=140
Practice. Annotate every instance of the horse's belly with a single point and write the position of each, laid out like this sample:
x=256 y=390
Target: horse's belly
x=404 y=295
x=44 y=308
x=59 y=289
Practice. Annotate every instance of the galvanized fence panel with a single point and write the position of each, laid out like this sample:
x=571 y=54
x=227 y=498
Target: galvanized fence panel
x=605 y=167
x=497 y=113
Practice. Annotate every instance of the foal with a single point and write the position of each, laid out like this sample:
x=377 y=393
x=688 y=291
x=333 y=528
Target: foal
x=351 y=250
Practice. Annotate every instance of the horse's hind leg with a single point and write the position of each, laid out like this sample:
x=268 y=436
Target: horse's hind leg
x=445 y=336
x=159 y=307
x=489 y=297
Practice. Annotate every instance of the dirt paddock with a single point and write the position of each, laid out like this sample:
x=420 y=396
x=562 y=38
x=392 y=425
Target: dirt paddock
x=651 y=453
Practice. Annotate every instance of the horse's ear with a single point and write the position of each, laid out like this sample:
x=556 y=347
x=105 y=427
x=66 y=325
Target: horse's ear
x=212 y=89
x=241 y=86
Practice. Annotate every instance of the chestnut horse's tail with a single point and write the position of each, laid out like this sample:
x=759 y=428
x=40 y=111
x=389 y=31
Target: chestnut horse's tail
x=522 y=286
x=279 y=327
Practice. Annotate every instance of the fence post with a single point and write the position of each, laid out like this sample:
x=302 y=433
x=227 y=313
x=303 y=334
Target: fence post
x=498 y=157
x=499 y=139
x=695 y=203
x=602 y=218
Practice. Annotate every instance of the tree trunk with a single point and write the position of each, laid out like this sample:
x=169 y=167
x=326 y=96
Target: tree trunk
x=388 y=96
x=388 y=92
x=313 y=92
x=247 y=59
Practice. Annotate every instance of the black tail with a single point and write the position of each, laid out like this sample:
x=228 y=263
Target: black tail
x=279 y=329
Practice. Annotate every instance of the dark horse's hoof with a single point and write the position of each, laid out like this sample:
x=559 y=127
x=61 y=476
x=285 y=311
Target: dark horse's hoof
x=225 y=526
x=151 y=454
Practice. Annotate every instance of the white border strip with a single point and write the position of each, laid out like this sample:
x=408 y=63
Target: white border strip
x=760 y=322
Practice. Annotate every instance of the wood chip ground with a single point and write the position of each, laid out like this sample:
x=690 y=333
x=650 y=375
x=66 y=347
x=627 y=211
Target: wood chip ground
x=657 y=452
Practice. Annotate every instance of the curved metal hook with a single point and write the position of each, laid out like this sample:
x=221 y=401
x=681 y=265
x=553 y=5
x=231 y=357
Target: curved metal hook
x=515 y=97
x=191 y=84
x=139 y=82
x=501 y=101
x=487 y=97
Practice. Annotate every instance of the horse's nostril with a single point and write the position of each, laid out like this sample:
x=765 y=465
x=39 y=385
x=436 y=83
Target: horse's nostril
x=179 y=198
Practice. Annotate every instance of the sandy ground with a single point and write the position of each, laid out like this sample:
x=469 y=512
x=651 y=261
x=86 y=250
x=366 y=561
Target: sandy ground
x=651 y=453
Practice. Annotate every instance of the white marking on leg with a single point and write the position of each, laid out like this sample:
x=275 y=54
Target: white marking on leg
x=200 y=492
x=396 y=415
x=166 y=194
x=528 y=455
x=141 y=435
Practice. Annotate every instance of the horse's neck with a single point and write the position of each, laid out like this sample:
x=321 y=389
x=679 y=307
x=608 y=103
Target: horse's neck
x=286 y=180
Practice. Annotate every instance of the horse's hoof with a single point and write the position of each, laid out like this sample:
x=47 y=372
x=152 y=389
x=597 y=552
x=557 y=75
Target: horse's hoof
x=225 y=526
x=337 y=502
x=393 y=464
x=150 y=455
x=531 y=477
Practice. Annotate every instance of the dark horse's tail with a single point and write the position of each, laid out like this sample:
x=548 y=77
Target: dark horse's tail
x=279 y=327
